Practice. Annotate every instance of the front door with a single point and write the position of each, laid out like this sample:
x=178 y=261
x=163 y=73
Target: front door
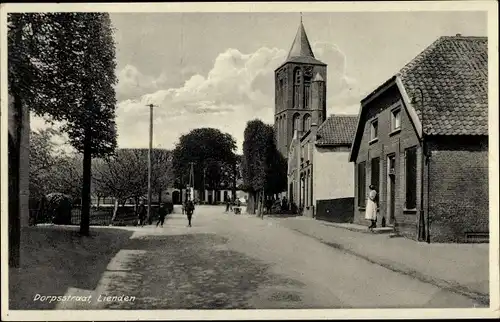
x=391 y=188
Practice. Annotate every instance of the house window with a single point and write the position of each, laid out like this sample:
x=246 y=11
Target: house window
x=396 y=119
x=375 y=173
x=411 y=178
x=361 y=184
x=374 y=130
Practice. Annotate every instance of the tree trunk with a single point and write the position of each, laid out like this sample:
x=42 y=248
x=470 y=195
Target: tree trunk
x=87 y=175
x=261 y=203
x=115 y=210
x=251 y=203
x=14 y=180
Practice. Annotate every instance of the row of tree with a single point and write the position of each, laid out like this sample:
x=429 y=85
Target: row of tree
x=264 y=168
x=61 y=65
x=122 y=175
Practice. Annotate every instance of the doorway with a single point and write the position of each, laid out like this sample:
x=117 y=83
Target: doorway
x=391 y=188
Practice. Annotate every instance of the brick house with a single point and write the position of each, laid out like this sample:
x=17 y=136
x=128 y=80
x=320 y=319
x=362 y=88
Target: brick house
x=422 y=140
x=320 y=176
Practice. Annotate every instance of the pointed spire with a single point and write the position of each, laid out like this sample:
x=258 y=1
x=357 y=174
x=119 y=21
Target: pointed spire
x=318 y=78
x=301 y=46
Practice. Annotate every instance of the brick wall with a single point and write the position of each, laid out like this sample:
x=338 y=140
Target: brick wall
x=388 y=143
x=458 y=201
x=335 y=210
x=284 y=109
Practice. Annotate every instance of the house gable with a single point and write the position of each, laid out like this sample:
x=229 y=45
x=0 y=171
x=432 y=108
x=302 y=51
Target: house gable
x=391 y=93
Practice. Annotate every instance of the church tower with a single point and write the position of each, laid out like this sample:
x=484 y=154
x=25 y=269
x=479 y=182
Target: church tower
x=300 y=92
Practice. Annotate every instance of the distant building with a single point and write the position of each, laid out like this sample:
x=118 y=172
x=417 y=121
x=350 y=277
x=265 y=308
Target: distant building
x=428 y=159
x=320 y=176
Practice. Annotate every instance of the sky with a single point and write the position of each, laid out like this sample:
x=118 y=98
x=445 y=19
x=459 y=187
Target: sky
x=217 y=69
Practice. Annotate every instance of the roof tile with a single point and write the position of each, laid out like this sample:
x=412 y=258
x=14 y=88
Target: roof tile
x=337 y=130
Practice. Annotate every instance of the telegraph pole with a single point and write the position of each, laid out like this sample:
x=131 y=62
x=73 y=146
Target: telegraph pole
x=191 y=180
x=149 y=158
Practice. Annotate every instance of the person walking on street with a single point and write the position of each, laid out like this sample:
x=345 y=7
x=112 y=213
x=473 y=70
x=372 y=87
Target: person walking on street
x=142 y=213
x=189 y=211
x=227 y=204
x=371 y=207
x=162 y=212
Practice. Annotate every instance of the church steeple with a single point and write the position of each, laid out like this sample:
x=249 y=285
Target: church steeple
x=300 y=91
x=300 y=46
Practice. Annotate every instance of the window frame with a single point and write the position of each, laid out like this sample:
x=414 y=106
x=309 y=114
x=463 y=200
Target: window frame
x=306 y=122
x=361 y=186
x=373 y=138
x=397 y=110
x=415 y=179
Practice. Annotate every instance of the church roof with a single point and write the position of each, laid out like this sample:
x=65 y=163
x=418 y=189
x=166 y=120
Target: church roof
x=301 y=51
x=337 y=130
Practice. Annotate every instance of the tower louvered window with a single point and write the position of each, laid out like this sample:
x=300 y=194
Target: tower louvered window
x=307 y=92
x=296 y=88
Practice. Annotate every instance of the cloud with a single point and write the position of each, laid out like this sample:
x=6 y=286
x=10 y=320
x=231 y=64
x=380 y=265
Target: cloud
x=132 y=83
x=239 y=87
x=343 y=91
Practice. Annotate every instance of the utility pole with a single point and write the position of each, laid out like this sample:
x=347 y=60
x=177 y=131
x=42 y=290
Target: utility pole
x=191 y=181
x=149 y=158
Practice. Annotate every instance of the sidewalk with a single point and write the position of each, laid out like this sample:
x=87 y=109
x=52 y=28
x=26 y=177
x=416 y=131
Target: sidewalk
x=462 y=268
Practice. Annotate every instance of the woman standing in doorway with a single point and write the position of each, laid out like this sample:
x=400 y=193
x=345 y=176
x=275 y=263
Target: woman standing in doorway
x=371 y=207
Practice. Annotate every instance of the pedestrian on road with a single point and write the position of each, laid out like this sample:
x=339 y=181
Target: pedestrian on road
x=162 y=212
x=284 y=204
x=189 y=211
x=142 y=213
x=371 y=207
x=227 y=204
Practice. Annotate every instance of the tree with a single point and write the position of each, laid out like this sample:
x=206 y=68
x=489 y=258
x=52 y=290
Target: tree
x=124 y=175
x=263 y=167
x=210 y=150
x=62 y=65
x=162 y=172
x=30 y=84
x=43 y=159
x=52 y=170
